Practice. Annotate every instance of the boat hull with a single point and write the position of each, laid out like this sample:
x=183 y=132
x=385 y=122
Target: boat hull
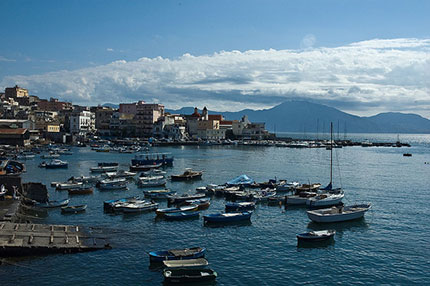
x=226 y=218
x=160 y=256
x=329 y=215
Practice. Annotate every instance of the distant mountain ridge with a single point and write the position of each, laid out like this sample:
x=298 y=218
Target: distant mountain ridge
x=303 y=116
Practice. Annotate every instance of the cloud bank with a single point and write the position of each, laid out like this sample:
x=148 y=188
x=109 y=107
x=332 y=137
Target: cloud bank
x=364 y=78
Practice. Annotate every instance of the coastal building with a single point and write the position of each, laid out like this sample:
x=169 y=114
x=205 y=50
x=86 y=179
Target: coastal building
x=146 y=115
x=103 y=119
x=82 y=123
x=249 y=130
x=17 y=123
x=192 y=122
x=54 y=105
x=128 y=108
x=14 y=137
x=170 y=126
x=17 y=94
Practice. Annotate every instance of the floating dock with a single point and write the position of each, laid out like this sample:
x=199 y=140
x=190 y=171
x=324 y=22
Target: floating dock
x=23 y=239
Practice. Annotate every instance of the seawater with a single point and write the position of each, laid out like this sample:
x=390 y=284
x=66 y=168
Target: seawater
x=389 y=246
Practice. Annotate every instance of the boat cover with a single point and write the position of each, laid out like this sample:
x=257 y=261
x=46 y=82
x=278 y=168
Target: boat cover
x=241 y=180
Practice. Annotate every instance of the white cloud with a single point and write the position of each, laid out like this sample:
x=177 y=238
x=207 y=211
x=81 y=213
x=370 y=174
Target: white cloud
x=365 y=77
x=109 y=50
x=3 y=59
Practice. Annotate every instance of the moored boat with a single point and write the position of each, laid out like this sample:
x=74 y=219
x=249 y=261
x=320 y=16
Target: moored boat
x=188 y=174
x=326 y=199
x=177 y=254
x=147 y=182
x=189 y=208
x=179 y=199
x=103 y=169
x=56 y=164
x=73 y=209
x=181 y=215
x=315 y=236
x=109 y=204
x=158 y=194
x=162 y=159
x=112 y=184
x=187 y=263
x=202 y=204
x=138 y=167
x=189 y=275
x=68 y=186
x=135 y=207
x=227 y=217
x=53 y=204
x=339 y=214
x=239 y=207
x=81 y=191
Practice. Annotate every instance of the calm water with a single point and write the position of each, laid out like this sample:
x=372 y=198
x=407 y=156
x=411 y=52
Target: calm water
x=390 y=246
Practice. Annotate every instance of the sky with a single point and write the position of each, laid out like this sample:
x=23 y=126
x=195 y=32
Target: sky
x=363 y=57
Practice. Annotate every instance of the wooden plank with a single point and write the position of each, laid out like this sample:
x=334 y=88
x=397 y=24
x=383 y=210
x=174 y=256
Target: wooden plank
x=2 y=226
x=77 y=239
x=67 y=240
x=51 y=239
x=30 y=239
x=32 y=227
x=16 y=227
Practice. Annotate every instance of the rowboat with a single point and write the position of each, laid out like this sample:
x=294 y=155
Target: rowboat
x=109 y=204
x=201 y=203
x=53 y=204
x=112 y=184
x=74 y=209
x=188 y=174
x=81 y=191
x=314 y=236
x=139 y=207
x=121 y=205
x=177 y=254
x=158 y=194
x=227 y=217
x=103 y=169
x=187 y=263
x=145 y=167
x=147 y=182
x=68 y=186
x=189 y=275
x=238 y=207
x=339 y=214
x=189 y=208
x=181 y=215
x=178 y=199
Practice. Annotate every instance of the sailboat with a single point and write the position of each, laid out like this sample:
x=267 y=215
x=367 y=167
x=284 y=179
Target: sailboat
x=329 y=196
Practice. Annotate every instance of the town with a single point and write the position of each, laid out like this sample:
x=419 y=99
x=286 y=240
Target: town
x=27 y=118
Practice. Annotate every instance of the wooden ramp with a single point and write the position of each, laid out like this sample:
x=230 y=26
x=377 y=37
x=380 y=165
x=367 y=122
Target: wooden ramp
x=22 y=239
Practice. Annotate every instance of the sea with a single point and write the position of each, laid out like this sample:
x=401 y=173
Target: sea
x=389 y=246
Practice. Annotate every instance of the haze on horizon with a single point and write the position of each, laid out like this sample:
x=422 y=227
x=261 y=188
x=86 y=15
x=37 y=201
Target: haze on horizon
x=362 y=57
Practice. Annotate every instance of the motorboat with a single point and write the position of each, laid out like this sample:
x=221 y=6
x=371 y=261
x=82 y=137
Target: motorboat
x=144 y=167
x=112 y=184
x=299 y=198
x=81 y=191
x=73 y=209
x=177 y=254
x=239 y=207
x=326 y=199
x=121 y=174
x=188 y=174
x=185 y=276
x=316 y=236
x=162 y=159
x=202 y=204
x=227 y=217
x=156 y=181
x=188 y=208
x=287 y=186
x=158 y=194
x=56 y=164
x=103 y=169
x=68 y=186
x=109 y=204
x=139 y=207
x=179 y=199
x=339 y=214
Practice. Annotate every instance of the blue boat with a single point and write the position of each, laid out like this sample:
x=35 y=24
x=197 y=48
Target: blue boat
x=227 y=217
x=181 y=215
x=238 y=207
x=152 y=159
x=56 y=164
x=177 y=254
x=108 y=205
x=242 y=180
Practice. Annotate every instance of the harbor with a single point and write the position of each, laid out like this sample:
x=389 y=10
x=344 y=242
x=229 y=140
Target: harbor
x=256 y=243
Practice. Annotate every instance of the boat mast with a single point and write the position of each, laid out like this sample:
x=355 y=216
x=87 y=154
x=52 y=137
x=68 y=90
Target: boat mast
x=331 y=152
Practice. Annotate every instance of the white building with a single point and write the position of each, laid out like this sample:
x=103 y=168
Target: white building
x=82 y=123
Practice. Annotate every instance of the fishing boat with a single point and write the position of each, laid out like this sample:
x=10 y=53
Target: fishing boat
x=53 y=204
x=147 y=182
x=158 y=194
x=139 y=168
x=187 y=263
x=308 y=187
x=164 y=159
x=179 y=199
x=242 y=180
x=188 y=174
x=316 y=236
x=202 y=204
x=135 y=207
x=189 y=208
x=73 y=209
x=339 y=214
x=81 y=191
x=109 y=204
x=112 y=184
x=227 y=217
x=189 y=275
x=177 y=254
x=181 y=215
x=239 y=207
x=56 y=164
x=103 y=169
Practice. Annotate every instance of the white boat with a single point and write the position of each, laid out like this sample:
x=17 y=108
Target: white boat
x=50 y=156
x=153 y=172
x=139 y=207
x=85 y=179
x=186 y=263
x=325 y=199
x=339 y=214
x=103 y=169
x=299 y=199
x=121 y=174
x=159 y=194
x=113 y=184
x=69 y=185
x=288 y=186
x=156 y=181
x=25 y=156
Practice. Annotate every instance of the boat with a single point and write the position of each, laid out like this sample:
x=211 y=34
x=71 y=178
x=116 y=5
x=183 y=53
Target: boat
x=188 y=174
x=153 y=172
x=74 y=209
x=179 y=199
x=81 y=191
x=202 y=204
x=338 y=214
x=189 y=208
x=109 y=204
x=139 y=207
x=53 y=204
x=263 y=195
x=227 y=217
x=187 y=263
x=145 y=167
x=276 y=200
x=164 y=159
x=121 y=174
x=112 y=184
x=158 y=194
x=300 y=198
x=50 y=156
x=177 y=254
x=308 y=187
x=56 y=164
x=181 y=215
x=315 y=236
x=107 y=164
x=85 y=179
x=239 y=207
x=147 y=182
x=185 y=276
x=103 y=169
x=68 y=186
x=407 y=155
x=242 y=180
x=287 y=186
x=11 y=168
x=25 y=156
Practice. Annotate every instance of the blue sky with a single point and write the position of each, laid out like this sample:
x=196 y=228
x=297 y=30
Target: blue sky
x=42 y=39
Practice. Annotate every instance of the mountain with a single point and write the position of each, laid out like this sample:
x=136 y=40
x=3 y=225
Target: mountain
x=303 y=116
x=111 y=105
